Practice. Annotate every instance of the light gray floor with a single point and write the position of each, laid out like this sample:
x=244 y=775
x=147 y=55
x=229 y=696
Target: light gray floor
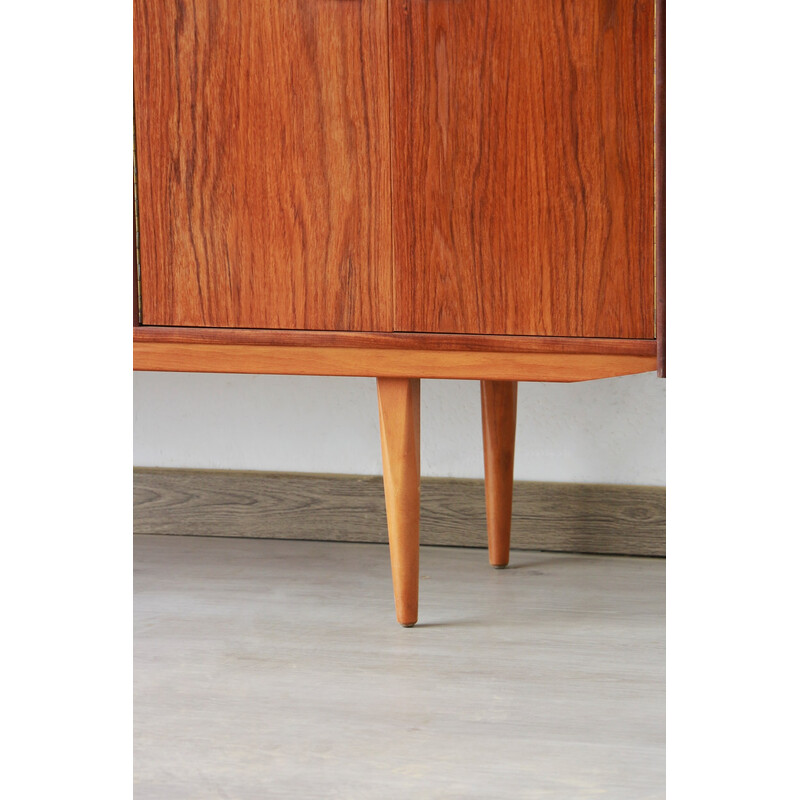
x=268 y=668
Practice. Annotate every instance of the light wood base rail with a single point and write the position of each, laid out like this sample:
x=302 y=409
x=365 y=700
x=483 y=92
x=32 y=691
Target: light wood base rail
x=400 y=355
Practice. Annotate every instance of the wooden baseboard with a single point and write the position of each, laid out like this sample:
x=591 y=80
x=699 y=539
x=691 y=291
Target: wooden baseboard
x=563 y=517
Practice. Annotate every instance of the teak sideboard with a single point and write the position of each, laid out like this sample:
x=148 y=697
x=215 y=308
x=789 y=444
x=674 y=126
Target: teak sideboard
x=402 y=189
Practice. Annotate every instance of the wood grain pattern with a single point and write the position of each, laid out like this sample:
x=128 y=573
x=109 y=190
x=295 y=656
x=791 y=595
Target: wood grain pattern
x=563 y=517
x=384 y=362
x=263 y=153
x=499 y=420
x=661 y=186
x=399 y=412
x=523 y=166
x=398 y=341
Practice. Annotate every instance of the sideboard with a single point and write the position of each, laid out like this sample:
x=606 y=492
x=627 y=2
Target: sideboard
x=402 y=190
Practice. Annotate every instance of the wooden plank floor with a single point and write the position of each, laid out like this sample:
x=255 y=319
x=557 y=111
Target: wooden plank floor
x=275 y=669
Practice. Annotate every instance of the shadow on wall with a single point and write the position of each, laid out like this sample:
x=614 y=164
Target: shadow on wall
x=607 y=431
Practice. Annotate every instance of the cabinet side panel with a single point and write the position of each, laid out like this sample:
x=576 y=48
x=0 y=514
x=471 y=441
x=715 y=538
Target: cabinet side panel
x=661 y=186
x=523 y=166
x=263 y=155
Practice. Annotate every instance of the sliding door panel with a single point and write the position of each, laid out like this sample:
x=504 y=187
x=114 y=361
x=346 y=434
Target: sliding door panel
x=262 y=131
x=522 y=152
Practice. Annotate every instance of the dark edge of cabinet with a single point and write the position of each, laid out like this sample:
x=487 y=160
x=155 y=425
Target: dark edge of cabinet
x=137 y=292
x=136 y=311
x=661 y=186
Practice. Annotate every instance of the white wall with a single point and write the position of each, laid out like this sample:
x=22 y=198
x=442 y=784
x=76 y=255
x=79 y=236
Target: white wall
x=608 y=431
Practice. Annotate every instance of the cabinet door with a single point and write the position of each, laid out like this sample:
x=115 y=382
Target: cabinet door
x=523 y=166
x=262 y=133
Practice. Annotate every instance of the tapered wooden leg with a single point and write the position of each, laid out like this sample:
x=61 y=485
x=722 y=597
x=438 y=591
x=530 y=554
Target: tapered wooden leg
x=398 y=405
x=499 y=412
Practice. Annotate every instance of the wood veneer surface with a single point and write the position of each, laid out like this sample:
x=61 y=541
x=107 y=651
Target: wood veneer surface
x=263 y=158
x=523 y=166
x=396 y=341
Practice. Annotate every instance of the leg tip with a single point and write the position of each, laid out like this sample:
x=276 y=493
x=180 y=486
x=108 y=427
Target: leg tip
x=408 y=624
x=499 y=566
